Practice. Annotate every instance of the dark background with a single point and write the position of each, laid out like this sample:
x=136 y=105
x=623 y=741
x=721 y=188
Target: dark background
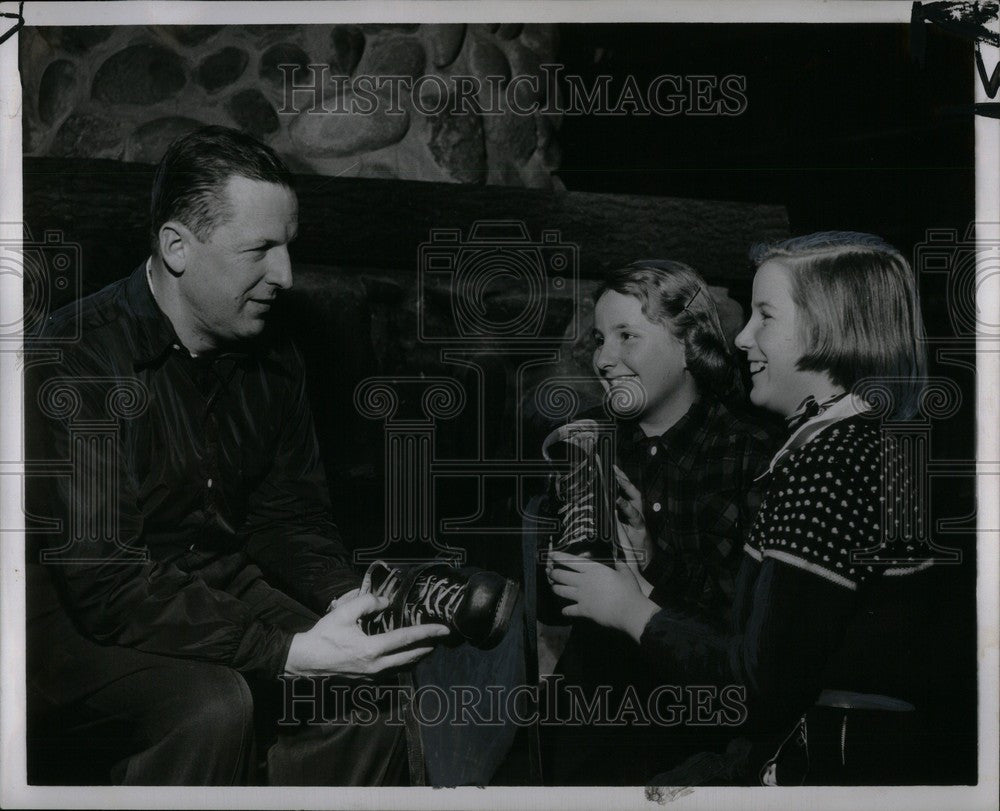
x=843 y=126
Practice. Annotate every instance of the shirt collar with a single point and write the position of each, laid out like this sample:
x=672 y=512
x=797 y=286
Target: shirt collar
x=156 y=336
x=154 y=332
x=682 y=441
x=845 y=407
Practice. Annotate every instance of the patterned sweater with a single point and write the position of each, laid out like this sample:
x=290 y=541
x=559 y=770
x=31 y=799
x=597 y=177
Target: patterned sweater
x=811 y=571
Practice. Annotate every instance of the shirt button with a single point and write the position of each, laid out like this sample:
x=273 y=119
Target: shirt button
x=656 y=506
x=652 y=451
x=191 y=548
x=208 y=483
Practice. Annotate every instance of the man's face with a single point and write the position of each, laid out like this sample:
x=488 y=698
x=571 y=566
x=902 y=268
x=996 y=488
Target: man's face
x=231 y=278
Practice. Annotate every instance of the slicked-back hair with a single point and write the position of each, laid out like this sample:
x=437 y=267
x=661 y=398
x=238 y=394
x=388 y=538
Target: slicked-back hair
x=190 y=180
x=860 y=313
x=676 y=296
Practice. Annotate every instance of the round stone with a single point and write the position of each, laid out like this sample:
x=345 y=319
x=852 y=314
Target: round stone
x=221 y=68
x=332 y=135
x=394 y=57
x=55 y=93
x=253 y=113
x=457 y=144
x=150 y=141
x=444 y=42
x=348 y=44
x=486 y=59
x=284 y=53
x=141 y=74
x=88 y=136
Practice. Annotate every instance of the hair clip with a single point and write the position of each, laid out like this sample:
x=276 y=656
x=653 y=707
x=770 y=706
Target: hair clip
x=691 y=300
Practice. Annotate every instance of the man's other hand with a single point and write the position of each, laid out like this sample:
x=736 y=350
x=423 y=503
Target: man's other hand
x=337 y=646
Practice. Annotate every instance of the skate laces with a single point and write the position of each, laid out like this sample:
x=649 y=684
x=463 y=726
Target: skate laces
x=433 y=598
x=578 y=510
x=436 y=598
x=578 y=489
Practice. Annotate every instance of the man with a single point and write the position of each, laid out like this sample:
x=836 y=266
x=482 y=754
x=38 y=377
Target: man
x=204 y=557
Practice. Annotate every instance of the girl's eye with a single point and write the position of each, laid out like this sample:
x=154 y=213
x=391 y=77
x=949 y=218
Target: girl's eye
x=627 y=335
x=598 y=340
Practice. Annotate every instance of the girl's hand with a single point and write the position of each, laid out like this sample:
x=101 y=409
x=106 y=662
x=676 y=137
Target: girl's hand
x=633 y=537
x=609 y=597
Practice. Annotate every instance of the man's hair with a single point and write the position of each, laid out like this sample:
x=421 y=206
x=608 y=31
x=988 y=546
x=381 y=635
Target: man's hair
x=677 y=297
x=192 y=175
x=860 y=313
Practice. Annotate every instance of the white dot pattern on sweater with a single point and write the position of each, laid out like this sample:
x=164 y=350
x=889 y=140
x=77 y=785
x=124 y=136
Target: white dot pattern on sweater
x=824 y=502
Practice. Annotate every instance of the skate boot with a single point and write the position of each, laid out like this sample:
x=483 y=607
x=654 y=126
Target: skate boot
x=476 y=606
x=585 y=495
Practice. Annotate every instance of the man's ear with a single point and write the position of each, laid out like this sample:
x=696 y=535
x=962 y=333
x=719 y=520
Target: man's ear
x=175 y=238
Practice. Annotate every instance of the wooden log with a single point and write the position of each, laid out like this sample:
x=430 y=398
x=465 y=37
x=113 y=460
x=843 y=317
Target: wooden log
x=360 y=222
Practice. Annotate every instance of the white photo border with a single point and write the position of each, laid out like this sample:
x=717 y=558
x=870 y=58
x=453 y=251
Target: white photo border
x=15 y=793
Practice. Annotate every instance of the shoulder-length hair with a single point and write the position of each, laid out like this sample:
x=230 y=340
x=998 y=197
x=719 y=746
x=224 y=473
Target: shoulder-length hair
x=676 y=296
x=860 y=314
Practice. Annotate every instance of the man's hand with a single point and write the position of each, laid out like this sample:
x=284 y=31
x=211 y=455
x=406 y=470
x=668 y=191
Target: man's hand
x=609 y=597
x=337 y=646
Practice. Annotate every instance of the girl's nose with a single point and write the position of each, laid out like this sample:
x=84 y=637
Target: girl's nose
x=604 y=358
x=743 y=340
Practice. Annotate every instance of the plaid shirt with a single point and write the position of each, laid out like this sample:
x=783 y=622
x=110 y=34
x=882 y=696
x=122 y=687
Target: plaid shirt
x=699 y=495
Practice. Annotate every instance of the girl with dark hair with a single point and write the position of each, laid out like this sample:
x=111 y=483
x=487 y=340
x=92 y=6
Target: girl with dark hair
x=820 y=616
x=687 y=460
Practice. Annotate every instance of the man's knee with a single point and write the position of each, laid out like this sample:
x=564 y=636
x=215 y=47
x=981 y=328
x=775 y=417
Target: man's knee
x=209 y=704
x=221 y=702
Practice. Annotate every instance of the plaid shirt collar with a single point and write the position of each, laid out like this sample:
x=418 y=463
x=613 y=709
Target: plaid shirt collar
x=683 y=441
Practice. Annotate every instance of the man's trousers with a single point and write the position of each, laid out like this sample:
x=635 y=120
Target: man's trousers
x=147 y=719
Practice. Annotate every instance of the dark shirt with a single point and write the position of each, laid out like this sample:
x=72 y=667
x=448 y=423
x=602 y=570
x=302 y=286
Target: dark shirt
x=699 y=498
x=809 y=614
x=216 y=467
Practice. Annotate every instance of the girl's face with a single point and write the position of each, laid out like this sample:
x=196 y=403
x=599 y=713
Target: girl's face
x=771 y=339
x=637 y=355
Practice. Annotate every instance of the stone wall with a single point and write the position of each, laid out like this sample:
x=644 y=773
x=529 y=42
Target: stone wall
x=126 y=92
